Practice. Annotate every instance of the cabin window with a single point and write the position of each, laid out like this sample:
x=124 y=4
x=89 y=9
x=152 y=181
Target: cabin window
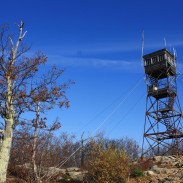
x=154 y=60
x=165 y=56
x=171 y=60
x=161 y=57
x=148 y=62
x=168 y=58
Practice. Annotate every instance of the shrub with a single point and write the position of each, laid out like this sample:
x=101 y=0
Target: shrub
x=107 y=165
x=137 y=172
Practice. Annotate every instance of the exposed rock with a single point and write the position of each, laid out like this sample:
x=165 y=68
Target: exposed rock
x=71 y=169
x=68 y=174
x=149 y=173
x=53 y=170
x=165 y=169
x=76 y=175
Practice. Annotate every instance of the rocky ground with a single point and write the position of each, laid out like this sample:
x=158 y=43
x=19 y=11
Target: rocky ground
x=159 y=169
x=165 y=169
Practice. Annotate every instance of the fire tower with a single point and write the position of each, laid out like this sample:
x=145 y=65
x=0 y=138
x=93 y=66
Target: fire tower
x=162 y=128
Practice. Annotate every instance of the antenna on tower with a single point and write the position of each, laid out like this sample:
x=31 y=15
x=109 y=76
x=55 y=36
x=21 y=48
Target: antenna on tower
x=165 y=41
x=174 y=54
x=142 y=48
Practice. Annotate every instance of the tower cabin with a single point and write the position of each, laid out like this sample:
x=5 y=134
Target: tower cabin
x=159 y=66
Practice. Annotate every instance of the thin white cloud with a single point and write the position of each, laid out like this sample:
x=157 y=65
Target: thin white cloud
x=93 y=49
x=127 y=46
x=95 y=63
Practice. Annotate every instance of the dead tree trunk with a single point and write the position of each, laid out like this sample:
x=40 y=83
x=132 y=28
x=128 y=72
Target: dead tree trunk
x=35 y=171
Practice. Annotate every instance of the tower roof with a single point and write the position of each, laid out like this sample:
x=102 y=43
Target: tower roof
x=159 y=52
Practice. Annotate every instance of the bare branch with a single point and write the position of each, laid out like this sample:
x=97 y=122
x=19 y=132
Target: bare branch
x=2 y=124
x=11 y=42
x=23 y=35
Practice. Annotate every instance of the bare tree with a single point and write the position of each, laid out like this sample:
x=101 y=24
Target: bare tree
x=20 y=90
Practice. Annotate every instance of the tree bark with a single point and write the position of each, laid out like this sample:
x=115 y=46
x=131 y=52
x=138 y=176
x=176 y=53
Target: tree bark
x=8 y=134
x=5 y=150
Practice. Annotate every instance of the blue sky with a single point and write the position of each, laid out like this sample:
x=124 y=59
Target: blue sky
x=99 y=45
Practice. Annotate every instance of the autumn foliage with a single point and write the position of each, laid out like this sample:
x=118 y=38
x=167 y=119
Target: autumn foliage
x=108 y=165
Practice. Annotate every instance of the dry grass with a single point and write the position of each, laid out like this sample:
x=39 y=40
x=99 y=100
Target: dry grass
x=138 y=180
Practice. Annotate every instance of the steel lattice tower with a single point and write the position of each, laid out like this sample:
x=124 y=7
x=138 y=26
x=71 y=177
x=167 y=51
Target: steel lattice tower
x=162 y=128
